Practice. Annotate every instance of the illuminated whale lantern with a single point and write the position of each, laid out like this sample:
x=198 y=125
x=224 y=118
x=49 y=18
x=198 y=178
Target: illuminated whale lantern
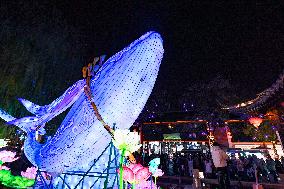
x=120 y=90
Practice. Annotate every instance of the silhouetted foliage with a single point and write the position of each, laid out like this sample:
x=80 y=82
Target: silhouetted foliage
x=40 y=56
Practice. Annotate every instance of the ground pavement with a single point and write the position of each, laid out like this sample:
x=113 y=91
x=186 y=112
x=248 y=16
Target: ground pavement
x=176 y=182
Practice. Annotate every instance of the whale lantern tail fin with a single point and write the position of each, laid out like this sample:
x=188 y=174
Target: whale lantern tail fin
x=32 y=107
x=58 y=105
x=5 y=116
x=43 y=114
x=27 y=124
x=23 y=123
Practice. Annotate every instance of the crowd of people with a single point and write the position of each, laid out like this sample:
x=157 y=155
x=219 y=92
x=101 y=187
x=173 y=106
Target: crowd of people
x=178 y=164
x=241 y=168
x=247 y=168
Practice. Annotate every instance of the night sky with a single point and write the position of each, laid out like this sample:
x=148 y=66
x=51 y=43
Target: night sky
x=240 y=42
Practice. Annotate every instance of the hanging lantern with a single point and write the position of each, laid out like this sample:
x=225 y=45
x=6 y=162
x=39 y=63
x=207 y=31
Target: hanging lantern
x=255 y=121
x=272 y=115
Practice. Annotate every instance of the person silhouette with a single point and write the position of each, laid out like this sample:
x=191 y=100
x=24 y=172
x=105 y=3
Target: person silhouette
x=220 y=158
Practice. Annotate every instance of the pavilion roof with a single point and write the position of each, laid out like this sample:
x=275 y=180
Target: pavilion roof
x=266 y=98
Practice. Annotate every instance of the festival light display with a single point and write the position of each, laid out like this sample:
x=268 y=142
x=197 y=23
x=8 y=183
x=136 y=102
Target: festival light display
x=8 y=156
x=135 y=173
x=255 y=121
x=120 y=88
x=147 y=185
x=30 y=173
x=127 y=142
x=7 y=178
x=153 y=167
x=138 y=176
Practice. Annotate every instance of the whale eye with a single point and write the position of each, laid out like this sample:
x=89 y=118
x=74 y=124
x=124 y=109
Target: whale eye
x=143 y=78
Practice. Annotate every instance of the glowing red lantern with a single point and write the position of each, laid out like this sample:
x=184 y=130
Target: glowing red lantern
x=255 y=121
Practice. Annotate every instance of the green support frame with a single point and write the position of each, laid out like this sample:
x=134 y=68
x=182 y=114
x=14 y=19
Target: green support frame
x=102 y=175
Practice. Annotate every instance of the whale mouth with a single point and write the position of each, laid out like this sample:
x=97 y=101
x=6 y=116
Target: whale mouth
x=151 y=39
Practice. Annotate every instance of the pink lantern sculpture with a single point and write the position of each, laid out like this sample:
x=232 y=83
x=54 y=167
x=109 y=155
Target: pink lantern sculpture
x=4 y=168
x=158 y=173
x=135 y=173
x=255 y=121
x=30 y=173
x=135 y=167
x=128 y=174
x=8 y=156
x=142 y=175
x=147 y=185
